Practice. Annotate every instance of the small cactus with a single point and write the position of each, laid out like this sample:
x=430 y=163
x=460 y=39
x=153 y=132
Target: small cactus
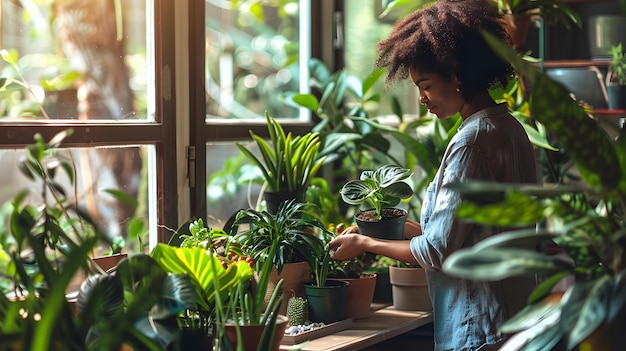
x=297 y=310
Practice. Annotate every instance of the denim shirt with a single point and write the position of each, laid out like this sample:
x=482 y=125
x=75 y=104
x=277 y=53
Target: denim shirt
x=490 y=145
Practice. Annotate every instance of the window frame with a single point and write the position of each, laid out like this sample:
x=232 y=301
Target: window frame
x=179 y=121
x=18 y=134
x=202 y=131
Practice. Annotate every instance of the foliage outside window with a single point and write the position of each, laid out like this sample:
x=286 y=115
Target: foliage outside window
x=77 y=63
x=252 y=55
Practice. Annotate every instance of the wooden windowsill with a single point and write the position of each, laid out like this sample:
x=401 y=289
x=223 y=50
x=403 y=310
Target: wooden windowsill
x=381 y=325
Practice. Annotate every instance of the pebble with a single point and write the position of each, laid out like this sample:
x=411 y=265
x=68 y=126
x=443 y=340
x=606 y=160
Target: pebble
x=298 y=329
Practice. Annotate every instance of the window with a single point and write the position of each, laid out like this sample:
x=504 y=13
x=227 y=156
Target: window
x=155 y=92
x=254 y=53
x=90 y=66
x=248 y=58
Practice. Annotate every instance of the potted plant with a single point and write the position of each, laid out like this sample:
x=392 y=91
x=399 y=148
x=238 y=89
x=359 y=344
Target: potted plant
x=198 y=325
x=112 y=258
x=517 y=14
x=253 y=321
x=586 y=219
x=287 y=163
x=616 y=78
x=49 y=246
x=381 y=189
x=361 y=284
x=297 y=244
x=136 y=299
x=326 y=298
x=409 y=287
x=216 y=278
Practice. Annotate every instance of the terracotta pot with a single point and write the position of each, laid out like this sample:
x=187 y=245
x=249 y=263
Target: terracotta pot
x=294 y=275
x=359 y=296
x=108 y=262
x=409 y=289
x=251 y=334
x=517 y=26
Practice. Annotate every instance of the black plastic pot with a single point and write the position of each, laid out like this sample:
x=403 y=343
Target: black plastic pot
x=617 y=97
x=194 y=339
x=326 y=303
x=386 y=228
x=274 y=199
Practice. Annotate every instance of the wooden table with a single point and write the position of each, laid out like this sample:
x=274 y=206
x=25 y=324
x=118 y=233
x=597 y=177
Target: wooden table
x=381 y=325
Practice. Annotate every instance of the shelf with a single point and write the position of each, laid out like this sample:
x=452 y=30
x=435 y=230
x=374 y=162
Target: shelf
x=381 y=325
x=575 y=63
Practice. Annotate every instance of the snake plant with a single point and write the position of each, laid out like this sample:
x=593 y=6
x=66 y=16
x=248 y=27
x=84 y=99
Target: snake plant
x=287 y=162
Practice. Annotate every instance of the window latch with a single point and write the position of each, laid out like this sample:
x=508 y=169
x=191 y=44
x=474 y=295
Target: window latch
x=191 y=166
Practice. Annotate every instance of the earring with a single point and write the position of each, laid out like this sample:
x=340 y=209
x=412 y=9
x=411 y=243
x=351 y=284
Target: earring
x=458 y=89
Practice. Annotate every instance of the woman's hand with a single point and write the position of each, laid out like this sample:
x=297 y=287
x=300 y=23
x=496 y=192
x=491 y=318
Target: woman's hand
x=348 y=245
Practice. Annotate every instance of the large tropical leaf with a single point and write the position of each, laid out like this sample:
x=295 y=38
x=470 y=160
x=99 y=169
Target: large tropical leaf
x=200 y=266
x=499 y=263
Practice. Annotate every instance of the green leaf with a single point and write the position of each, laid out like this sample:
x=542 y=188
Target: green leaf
x=537 y=138
x=8 y=57
x=356 y=192
x=499 y=263
x=506 y=213
x=197 y=264
x=586 y=308
x=396 y=107
x=319 y=71
x=177 y=294
x=123 y=197
x=531 y=315
x=524 y=238
x=369 y=82
x=397 y=191
x=552 y=105
x=307 y=100
x=546 y=286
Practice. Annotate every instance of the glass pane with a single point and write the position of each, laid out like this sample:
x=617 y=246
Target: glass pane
x=111 y=185
x=363 y=30
x=254 y=53
x=74 y=60
x=229 y=184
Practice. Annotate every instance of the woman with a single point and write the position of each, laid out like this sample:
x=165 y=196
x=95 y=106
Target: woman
x=441 y=49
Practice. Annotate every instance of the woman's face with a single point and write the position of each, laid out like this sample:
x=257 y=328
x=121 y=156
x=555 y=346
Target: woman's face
x=440 y=96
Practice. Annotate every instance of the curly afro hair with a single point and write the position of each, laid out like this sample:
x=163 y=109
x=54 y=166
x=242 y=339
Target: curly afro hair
x=445 y=38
